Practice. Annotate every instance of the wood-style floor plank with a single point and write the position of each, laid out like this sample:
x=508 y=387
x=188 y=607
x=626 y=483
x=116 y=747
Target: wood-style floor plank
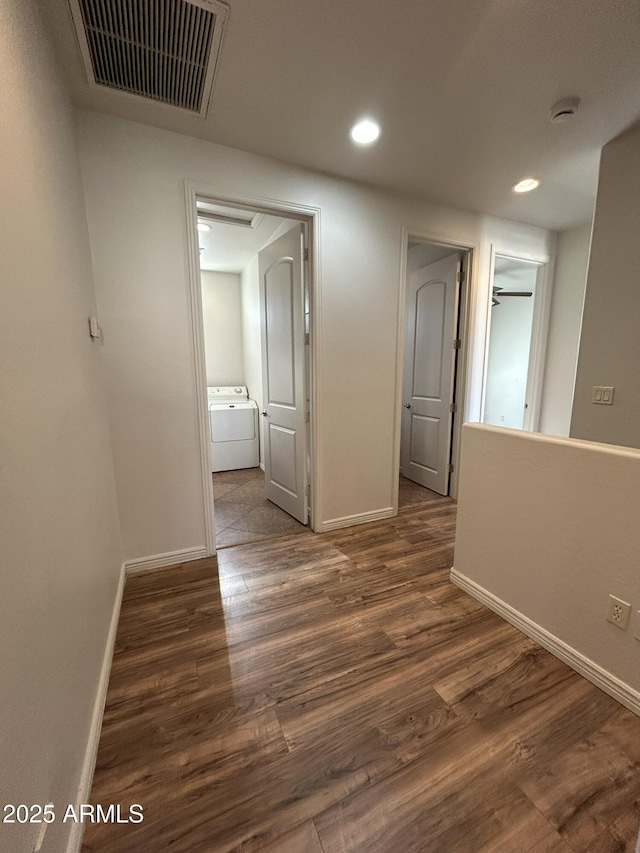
x=337 y=694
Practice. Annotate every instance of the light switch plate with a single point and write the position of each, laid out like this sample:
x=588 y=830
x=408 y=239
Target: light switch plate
x=602 y=395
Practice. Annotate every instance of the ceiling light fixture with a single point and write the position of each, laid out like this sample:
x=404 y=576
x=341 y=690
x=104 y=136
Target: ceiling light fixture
x=526 y=185
x=365 y=132
x=202 y=226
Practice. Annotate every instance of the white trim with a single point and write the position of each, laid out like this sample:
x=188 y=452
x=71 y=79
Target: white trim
x=463 y=365
x=88 y=765
x=159 y=561
x=583 y=665
x=200 y=368
x=273 y=207
x=544 y=283
x=359 y=518
x=397 y=421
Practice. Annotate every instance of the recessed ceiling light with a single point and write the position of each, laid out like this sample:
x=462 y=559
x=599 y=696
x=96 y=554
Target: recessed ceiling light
x=526 y=185
x=365 y=132
x=202 y=226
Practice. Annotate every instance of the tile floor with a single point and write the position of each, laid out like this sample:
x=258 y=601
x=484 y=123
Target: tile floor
x=411 y=493
x=243 y=514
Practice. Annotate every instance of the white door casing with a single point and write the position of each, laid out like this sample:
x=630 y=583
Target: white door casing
x=429 y=373
x=283 y=372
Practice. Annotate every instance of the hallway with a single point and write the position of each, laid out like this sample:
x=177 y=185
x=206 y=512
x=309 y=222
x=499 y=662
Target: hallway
x=336 y=693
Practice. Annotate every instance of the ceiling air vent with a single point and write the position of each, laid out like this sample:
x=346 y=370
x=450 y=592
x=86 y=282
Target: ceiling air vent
x=162 y=50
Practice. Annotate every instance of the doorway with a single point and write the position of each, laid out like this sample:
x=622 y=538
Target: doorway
x=435 y=300
x=252 y=324
x=516 y=343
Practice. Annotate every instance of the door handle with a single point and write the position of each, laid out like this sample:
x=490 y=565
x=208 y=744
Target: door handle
x=264 y=414
x=407 y=405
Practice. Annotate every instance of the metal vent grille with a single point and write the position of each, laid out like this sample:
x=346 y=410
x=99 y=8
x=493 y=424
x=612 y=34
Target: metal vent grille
x=162 y=50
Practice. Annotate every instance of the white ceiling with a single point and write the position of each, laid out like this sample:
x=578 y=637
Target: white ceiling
x=229 y=248
x=462 y=88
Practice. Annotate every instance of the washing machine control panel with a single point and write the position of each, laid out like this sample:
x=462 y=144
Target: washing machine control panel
x=227 y=392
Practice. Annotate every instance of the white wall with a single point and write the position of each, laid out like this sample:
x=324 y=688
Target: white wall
x=134 y=182
x=569 y=284
x=251 y=337
x=425 y=254
x=548 y=527
x=59 y=542
x=223 y=328
x=609 y=342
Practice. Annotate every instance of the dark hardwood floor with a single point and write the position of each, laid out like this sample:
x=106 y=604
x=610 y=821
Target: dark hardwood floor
x=336 y=693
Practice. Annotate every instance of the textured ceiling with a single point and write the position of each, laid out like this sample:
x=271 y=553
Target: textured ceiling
x=462 y=88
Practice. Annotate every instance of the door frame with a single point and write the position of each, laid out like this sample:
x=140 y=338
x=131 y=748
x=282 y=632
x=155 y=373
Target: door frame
x=539 y=334
x=468 y=289
x=194 y=191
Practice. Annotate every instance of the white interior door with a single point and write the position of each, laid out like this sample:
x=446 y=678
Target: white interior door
x=428 y=380
x=283 y=374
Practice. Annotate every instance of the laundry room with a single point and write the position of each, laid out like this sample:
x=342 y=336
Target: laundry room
x=230 y=242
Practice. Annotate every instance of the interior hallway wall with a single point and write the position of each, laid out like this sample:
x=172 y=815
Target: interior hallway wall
x=569 y=283
x=223 y=328
x=547 y=530
x=425 y=254
x=134 y=184
x=609 y=342
x=59 y=542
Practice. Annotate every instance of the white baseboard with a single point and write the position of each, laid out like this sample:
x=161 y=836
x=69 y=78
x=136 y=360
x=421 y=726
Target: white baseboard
x=262 y=466
x=158 y=561
x=91 y=752
x=359 y=518
x=583 y=665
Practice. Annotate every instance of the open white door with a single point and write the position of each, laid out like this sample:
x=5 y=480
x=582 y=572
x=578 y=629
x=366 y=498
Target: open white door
x=283 y=372
x=428 y=379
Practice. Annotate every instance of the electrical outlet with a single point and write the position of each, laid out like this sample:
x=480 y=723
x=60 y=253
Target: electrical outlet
x=618 y=612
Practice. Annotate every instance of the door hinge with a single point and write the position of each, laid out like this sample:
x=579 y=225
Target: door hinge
x=461 y=276
x=457 y=343
x=307 y=417
x=450 y=468
x=306 y=339
x=453 y=407
x=305 y=254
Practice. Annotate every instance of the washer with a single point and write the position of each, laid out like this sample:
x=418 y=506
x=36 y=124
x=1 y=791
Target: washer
x=233 y=428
